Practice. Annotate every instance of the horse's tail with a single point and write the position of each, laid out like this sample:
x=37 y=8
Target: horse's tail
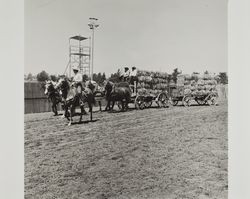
x=91 y=97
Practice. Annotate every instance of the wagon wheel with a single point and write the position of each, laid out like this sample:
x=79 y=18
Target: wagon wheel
x=119 y=104
x=163 y=100
x=186 y=100
x=173 y=102
x=212 y=99
x=200 y=101
x=148 y=104
x=139 y=102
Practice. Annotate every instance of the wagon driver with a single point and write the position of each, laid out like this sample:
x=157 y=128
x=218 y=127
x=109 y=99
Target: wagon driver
x=134 y=79
x=126 y=74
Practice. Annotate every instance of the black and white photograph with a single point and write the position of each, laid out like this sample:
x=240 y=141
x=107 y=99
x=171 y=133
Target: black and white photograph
x=126 y=99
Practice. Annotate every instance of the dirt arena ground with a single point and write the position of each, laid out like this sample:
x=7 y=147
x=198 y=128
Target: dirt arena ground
x=168 y=153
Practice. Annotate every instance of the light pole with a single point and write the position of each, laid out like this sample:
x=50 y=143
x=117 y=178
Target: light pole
x=92 y=25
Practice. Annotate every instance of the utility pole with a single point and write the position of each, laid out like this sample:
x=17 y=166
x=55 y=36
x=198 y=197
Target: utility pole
x=92 y=25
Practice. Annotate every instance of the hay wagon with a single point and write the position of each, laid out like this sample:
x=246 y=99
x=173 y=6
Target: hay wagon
x=186 y=96
x=152 y=89
x=185 y=90
x=142 y=100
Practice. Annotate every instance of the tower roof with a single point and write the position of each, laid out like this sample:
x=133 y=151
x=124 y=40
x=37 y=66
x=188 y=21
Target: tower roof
x=78 y=37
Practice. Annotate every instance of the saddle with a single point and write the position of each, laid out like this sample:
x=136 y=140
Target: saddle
x=78 y=92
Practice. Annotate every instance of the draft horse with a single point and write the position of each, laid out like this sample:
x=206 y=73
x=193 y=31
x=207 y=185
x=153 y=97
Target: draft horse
x=119 y=92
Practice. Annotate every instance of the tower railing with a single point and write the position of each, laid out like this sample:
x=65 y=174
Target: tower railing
x=79 y=55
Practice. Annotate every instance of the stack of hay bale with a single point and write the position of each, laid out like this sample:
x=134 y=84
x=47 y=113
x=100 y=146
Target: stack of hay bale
x=199 y=85
x=151 y=82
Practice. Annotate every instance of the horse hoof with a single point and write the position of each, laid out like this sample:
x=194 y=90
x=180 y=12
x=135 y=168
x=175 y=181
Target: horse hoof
x=69 y=124
x=63 y=116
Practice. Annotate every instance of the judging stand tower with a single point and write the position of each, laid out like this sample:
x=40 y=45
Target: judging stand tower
x=79 y=55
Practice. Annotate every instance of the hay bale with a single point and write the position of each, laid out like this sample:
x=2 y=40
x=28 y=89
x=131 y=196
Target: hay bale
x=187 y=77
x=196 y=76
x=187 y=86
x=200 y=82
x=187 y=82
x=207 y=77
x=200 y=87
x=207 y=87
x=187 y=91
x=192 y=88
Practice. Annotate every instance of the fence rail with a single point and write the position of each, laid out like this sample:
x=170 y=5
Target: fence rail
x=35 y=101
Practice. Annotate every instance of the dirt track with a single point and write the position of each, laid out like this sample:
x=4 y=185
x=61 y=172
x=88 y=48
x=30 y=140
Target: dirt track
x=154 y=153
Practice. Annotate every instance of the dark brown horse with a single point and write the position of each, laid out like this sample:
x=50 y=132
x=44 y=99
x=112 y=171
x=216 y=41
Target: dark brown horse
x=119 y=92
x=79 y=100
x=77 y=96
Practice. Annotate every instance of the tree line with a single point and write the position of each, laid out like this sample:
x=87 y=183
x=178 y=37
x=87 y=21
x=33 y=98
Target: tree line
x=101 y=77
x=43 y=76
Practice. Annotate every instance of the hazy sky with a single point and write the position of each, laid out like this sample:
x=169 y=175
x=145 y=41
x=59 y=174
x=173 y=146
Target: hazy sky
x=157 y=35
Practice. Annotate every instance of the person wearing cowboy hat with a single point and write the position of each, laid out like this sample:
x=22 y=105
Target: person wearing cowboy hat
x=77 y=84
x=126 y=74
x=133 y=72
x=77 y=76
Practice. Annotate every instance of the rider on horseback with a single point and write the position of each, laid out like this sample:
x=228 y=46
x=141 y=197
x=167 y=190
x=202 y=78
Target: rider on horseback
x=77 y=79
x=77 y=84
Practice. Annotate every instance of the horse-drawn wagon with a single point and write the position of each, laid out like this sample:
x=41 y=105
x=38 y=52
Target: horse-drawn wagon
x=202 y=91
x=151 y=88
